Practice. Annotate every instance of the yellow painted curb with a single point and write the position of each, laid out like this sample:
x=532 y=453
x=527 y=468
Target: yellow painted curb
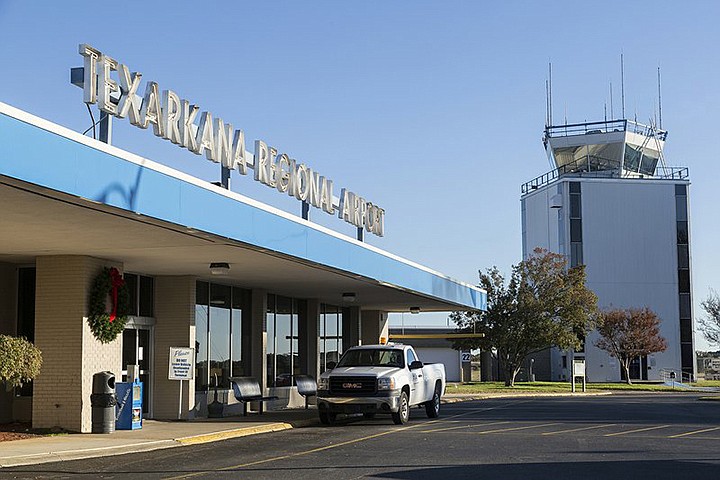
x=234 y=433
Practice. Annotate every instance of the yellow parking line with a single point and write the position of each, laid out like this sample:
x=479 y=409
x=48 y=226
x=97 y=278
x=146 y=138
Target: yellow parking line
x=459 y=427
x=499 y=430
x=637 y=430
x=694 y=432
x=579 y=429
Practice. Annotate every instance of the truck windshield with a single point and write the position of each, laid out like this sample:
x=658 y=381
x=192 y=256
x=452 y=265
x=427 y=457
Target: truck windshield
x=372 y=358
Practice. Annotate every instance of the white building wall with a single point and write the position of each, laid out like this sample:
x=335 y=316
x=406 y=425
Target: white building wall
x=630 y=249
x=447 y=356
x=629 y=234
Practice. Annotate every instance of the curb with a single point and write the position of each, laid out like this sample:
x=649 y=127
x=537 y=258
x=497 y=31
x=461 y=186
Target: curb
x=464 y=397
x=235 y=433
x=68 y=455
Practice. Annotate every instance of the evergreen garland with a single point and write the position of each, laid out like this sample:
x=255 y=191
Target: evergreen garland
x=99 y=318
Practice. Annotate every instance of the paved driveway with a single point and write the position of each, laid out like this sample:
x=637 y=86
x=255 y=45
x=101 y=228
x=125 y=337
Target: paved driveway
x=619 y=436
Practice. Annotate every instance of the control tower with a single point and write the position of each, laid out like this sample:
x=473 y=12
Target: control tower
x=611 y=203
x=612 y=149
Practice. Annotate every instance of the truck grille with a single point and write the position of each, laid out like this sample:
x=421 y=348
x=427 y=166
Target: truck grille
x=353 y=385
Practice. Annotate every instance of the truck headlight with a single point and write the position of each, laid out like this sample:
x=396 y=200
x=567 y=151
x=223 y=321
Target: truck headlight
x=323 y=383
x=386 y=384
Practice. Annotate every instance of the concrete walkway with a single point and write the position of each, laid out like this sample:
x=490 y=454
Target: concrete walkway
x=152 y=436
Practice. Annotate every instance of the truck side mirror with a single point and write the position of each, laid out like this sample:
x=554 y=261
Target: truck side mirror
x=416 y=364
x=331 y=365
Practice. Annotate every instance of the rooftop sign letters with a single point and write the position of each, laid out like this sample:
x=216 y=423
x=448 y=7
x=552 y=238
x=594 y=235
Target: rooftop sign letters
x=115 y=89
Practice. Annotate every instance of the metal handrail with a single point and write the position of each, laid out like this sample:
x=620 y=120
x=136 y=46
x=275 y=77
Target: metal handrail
x=606 y=126
x=584 y=166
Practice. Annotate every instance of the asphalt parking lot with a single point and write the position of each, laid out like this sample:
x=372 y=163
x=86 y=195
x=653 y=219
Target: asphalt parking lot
x=618 y=436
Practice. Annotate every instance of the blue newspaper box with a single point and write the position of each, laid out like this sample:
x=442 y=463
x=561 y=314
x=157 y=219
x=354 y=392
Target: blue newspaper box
x=128 y=411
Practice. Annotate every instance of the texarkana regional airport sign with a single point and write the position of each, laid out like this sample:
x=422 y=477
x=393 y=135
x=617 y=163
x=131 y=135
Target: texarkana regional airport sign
x=174 y=119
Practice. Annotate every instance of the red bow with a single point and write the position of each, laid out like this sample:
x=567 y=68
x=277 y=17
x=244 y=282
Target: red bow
x=117 y=281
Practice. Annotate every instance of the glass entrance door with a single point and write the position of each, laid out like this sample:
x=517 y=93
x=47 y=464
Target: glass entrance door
x=137 y=350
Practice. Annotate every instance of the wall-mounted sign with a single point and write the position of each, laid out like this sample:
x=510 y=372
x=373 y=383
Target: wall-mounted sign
x=114 y=88
x=182 y=363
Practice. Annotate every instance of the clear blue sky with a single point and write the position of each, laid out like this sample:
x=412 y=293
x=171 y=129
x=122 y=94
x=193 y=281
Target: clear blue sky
x=434 y=110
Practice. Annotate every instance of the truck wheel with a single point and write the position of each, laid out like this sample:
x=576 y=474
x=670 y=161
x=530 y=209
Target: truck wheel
x=402 y=416
x=327 y=418
x=432 y=407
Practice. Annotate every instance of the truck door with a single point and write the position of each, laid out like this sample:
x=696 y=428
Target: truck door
x=417 y=389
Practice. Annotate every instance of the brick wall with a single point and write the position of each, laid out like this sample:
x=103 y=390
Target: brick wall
x=71 y=354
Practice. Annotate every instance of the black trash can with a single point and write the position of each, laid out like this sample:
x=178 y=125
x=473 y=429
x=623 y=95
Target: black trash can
x=103 y=401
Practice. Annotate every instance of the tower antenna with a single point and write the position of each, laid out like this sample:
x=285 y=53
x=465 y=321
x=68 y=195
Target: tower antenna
x=622 y=83
x=612 y=112
x=550 y=112
x=547 y=105
x=659 y=99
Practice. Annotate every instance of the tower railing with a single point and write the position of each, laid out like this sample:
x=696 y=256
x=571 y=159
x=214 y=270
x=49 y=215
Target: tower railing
x=605 y=167
x=606 y=126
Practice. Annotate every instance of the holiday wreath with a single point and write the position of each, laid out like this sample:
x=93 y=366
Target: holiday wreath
x=109 y=305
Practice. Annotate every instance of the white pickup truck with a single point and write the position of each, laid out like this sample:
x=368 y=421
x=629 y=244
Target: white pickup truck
x=380 y=379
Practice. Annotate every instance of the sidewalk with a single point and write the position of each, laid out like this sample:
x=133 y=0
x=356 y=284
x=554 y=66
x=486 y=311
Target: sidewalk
x=152 y=436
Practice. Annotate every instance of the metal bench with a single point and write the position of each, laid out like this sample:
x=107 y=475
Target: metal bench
x=306 y=386
x=247 y=389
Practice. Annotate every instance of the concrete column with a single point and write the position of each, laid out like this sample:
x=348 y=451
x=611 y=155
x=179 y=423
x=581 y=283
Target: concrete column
x=351 y=327
x=373 y=326
x=308 y=333
x=8 y=326
x=71 y=354
x=258 y=337
x=486 y=368
x=174 y=327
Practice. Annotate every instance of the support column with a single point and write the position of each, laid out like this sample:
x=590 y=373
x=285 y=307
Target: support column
x=174 y=327
x=71 y=354
x=351 y=327
x=8 y=326
x=374 y=326
x=308 y=333
x=258 y=338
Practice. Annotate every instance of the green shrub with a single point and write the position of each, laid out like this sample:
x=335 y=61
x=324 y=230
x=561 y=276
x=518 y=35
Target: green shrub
x=20 y=361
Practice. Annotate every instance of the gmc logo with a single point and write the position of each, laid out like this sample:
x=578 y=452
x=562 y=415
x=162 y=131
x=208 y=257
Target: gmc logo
x=352 y=385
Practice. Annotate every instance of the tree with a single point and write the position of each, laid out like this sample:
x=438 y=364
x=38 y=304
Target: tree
x=630 y=333
x=20 y=361
x=544 y=304
x=710 y=325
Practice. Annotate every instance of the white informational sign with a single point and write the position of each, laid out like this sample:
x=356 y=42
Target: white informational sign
x=465 y=357
x=579 y=368
x=182 y=363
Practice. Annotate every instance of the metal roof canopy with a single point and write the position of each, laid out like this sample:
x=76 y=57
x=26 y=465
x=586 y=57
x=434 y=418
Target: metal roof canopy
x=66 y=194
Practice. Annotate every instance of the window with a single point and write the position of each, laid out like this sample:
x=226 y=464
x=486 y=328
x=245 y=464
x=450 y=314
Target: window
x=684 y=280
x=219 y=338
x=282 y=341
x=683 y=257
x=331 y=319
x=682 y=233
x=141 y=292
x=681 y=207
x=574 y=206
x=575 y=230
x=411 y=357
x=26 y=315
x=685 y=309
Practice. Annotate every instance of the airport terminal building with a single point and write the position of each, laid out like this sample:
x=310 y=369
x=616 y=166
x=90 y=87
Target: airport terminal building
x=252 y=290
